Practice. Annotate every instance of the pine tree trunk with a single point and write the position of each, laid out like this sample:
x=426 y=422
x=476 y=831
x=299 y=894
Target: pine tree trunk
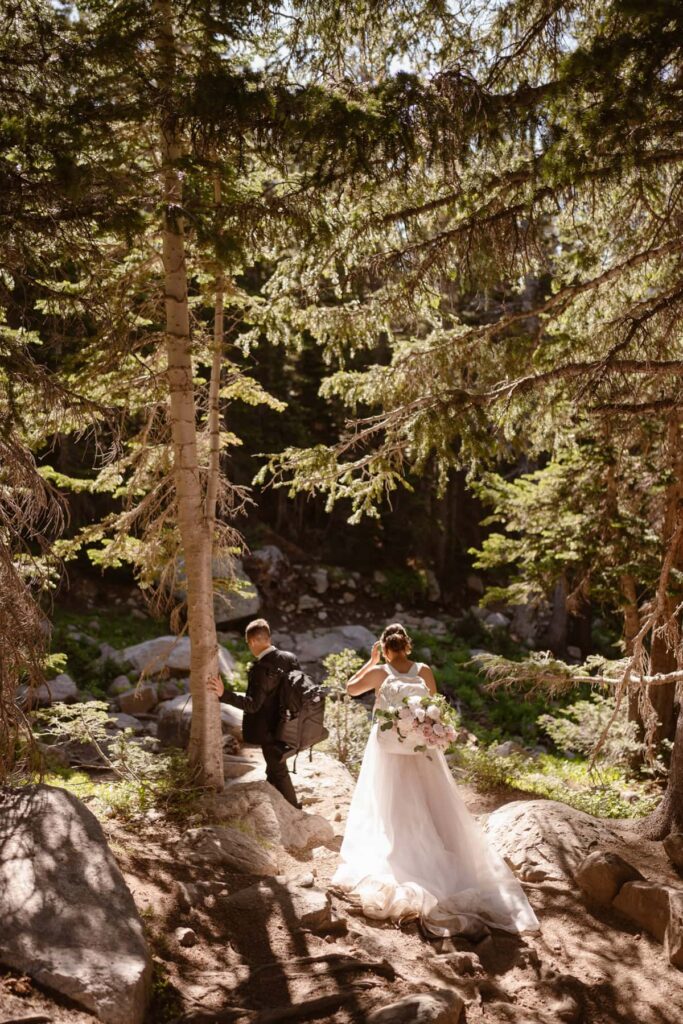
x=206 y=749
x=668 y=817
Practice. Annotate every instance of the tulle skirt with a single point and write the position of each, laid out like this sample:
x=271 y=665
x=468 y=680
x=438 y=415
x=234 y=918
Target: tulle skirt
x=412 y=850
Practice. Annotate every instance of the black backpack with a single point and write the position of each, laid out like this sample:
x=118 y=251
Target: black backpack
x=302 y=713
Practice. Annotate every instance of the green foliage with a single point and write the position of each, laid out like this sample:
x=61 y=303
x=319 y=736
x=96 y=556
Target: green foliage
x=348 y=721
x=403 y=585
x=576 y=728
x=610 y=792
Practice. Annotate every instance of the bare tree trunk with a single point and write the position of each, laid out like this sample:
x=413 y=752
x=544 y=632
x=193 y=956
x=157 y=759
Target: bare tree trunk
x=555 y=636
x=631 y=627
x=206 y=749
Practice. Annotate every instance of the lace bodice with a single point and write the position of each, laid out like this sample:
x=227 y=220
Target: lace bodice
x=398 y=685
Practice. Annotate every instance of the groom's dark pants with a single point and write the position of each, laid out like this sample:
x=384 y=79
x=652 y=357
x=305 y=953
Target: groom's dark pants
x=277 y=771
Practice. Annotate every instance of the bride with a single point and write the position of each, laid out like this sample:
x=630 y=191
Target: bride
x=411 y=848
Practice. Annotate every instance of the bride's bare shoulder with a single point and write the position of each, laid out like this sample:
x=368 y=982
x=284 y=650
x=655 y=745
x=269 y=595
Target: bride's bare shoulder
x=427 y=675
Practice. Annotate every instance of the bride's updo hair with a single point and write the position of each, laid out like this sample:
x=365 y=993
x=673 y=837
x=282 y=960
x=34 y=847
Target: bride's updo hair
x=394 y=638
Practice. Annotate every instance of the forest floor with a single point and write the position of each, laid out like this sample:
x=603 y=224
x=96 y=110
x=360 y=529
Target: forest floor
x=583 y=966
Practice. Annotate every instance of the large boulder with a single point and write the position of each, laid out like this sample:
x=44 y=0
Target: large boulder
x=175 y=719
x=230 y=848
x=314 y=645
x=170 y=654
x=235 y=595
x=62 y=688
x=68 y=919
x=545 y=839
x=673 y=846
x=264 y=809
x=673 y=938
x=139 y=700
x=602 y=874
x=269 y=566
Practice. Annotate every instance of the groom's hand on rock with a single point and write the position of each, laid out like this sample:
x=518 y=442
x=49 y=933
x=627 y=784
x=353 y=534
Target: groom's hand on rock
x=215 y=685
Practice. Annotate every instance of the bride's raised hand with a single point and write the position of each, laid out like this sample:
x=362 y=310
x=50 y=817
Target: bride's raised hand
x=376 y=653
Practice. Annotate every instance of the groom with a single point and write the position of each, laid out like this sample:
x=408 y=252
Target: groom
x=261 y=702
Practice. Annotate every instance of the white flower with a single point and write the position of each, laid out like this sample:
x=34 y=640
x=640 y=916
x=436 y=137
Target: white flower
x=414 y=701
x=420 y=714
x=438 y=729
x=405 y=713
x=433 y=712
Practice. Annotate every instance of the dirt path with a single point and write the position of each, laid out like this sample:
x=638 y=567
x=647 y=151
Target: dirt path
x=582 y=967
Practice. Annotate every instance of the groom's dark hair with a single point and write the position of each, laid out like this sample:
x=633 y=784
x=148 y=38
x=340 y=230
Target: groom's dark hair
x=258 y=627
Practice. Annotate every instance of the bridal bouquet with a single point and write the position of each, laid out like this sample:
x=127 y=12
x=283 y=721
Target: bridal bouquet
x=430 y=720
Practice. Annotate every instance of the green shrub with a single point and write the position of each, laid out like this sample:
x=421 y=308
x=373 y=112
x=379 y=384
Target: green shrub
x=348 y=722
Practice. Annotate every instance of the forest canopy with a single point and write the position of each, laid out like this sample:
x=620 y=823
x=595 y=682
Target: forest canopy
x=382 y=255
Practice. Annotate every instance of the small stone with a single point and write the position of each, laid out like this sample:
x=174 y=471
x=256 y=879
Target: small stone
x=646 y=904
x=320 y=581
x=574 y=653
x=348 y=597
x=322 y=615
x=186 y=936
x=307 y=603
x=442 y=1006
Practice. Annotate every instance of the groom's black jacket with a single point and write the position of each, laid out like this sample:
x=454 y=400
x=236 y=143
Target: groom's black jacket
x=261 y=702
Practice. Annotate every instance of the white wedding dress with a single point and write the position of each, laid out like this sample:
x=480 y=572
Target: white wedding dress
x=412 y=849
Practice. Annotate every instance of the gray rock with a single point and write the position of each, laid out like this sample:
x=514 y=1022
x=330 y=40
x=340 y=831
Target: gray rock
x=525 y=622
x=186 y=936
x=320 y=580
x=122 y=721
x=475 y=584
x=307 y=603
x=433 y=586
x=496 y=620
x=175 y=718
x=60 y=689
x=305 y=908
x=673 y=937
x=673 y=845
x=646 y=904
x=230 y=848
x=602 y=874
x=172 y=654
x=68 y=919
x=119 y=685
x=442 y=1006
x=574 y=653
x=273 y=819
x=316 y=644
x=235 y=595
x=139 y=700
x=269 y=564
x=546 y=839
